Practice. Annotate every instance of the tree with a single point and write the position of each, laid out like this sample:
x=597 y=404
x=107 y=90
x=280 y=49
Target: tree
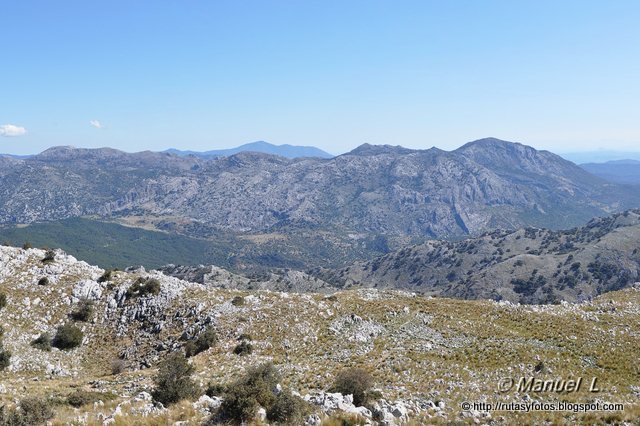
x=67 y=336
x=173 y=382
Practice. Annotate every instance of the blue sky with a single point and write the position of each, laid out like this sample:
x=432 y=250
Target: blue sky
x=558 y=75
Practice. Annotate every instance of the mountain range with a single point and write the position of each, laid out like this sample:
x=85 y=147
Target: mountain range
x=309 y=212
x=600 y=156
x=288 y=151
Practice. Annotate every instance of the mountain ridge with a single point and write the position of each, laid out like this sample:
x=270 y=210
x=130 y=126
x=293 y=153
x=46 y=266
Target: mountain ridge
x=395 y=196
x=285 y=150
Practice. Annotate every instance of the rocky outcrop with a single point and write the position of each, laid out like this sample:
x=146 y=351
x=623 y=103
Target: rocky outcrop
x=286 y=280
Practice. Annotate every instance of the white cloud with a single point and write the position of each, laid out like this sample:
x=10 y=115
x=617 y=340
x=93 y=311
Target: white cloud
x=96 y=124
x=9 y=130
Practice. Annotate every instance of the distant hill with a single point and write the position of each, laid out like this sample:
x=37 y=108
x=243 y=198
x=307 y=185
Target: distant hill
x=599 y=156
x=288 y=151
x=528 y=265
x=618 y=171
x=15 y=156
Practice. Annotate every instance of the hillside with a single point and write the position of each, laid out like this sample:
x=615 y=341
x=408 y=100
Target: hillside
x=527 y=265
x=112 y=245
x=426 y=355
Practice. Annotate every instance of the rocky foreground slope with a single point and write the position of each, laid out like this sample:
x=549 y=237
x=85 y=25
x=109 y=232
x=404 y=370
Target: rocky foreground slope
x=426 y=355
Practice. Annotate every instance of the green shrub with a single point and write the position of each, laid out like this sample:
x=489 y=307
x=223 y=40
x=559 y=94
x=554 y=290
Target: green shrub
x=84 y=311
x=256 y=388
x=31 y=411
x=83 y=397
x=237 y=301
x=204 y=341
x=215 y=389
x=173 y=382
x=107 y=276
x=287 y=409
x=43 y=342
x=49 y=257
x=142 y=287
x=239 y=404
x=5 y=358
x=67 y=336
x=243 y=348
x=3 y=300
x=43 y=281
x=356 y=382
x=27 y=245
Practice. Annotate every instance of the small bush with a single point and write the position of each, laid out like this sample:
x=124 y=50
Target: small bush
x=43 y=281
x=117 y=366
x=356 y=382
x=215 y=389
x=49 y=257
x=237 y=301
x=540 y=367
x=142 y=287
x=30 y=411
x=190 y=349
x=43 y=342
x=204 y=341
x=245 y=336
x=3 y=300
x=27 y=245
x=256 y=388
x=243 y=348
x=173 y=382
x=84 y=311
x=107 y=276
x=83 y=397
x=287 y=409
x=68 y=336
x=5 y=359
